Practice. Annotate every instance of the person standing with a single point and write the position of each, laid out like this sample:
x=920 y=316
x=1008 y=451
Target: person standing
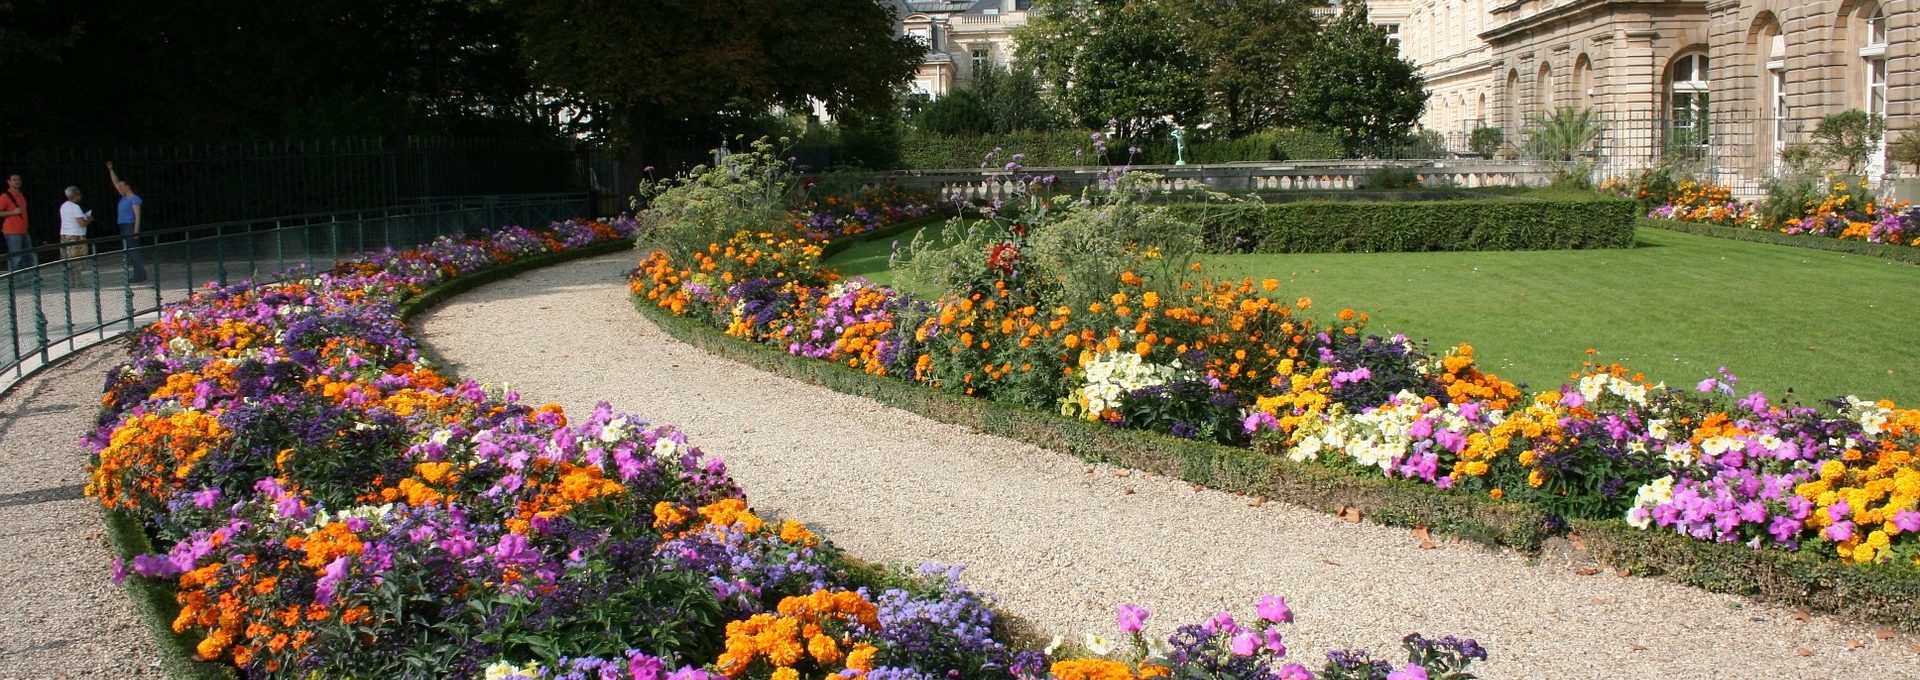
x=129 y=218
x=13 y=223
x=74 y=221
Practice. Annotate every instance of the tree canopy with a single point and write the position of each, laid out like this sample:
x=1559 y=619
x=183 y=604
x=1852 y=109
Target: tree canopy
x=1231 y=63
x=657 y=74
x=1355 y=83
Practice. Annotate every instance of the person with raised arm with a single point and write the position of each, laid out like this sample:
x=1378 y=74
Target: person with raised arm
x=130 y=218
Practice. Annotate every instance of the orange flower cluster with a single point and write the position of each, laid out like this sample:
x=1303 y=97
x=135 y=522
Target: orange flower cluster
x=1466 y=383
x=819 y=632
x=557 y=488
x=150 y=457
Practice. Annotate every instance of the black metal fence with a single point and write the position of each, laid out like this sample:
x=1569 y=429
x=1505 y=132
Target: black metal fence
x=1731 y=148
x=62 y=297
x=201 y=183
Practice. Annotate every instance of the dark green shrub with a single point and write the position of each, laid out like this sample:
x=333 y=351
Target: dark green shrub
x=1847 y=138
x=1486 y=140
x=959 y=113
x=1515 y=223
x=1390 y=177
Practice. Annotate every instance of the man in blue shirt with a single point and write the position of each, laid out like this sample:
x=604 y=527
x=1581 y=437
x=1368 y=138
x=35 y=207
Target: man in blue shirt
x=130 y=219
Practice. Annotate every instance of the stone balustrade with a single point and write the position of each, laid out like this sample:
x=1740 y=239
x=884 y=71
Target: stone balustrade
x=989 y=184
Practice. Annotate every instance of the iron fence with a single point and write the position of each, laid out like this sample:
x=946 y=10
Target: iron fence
x=1731 y=148
x=186 y=183
x=63 y=297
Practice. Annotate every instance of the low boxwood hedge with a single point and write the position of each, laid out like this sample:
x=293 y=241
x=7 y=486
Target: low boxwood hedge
x=1521 y=222
x=1882 y=593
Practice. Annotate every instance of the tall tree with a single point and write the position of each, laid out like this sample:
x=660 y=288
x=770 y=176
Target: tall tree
x=654 y=74
x=1119 y=61
x=1228 y=62
x=1252 y=51
x=1355 y=83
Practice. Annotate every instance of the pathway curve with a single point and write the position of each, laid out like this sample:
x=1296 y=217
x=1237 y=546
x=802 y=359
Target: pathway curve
x=60 y=615
x=1061 y=542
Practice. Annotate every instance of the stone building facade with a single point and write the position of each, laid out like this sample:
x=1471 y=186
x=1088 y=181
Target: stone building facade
x=962 y=37
x=1728 y=83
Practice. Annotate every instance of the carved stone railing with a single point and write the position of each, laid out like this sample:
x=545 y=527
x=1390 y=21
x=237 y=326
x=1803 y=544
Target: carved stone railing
x=1235 y=177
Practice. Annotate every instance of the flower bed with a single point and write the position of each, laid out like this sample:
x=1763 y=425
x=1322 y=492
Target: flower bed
x=1846 y=213
x=326 y=504
x=1228 y=362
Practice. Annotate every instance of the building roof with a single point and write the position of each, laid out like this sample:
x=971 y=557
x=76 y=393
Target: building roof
x=944 y=6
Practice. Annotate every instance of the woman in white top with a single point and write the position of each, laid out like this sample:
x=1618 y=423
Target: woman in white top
x=73 y=226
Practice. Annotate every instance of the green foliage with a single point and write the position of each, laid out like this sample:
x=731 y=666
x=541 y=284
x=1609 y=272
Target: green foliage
x=1013 y=99
x=1906 y=149
x=1486 y=140
x=1229 y=62
x=1064 y=147
x=1565 y=135
x=1083 y=249
x=1355 y=83
x=683 y=214
x=1517 y=223
x=1789 y=197
x=1058 y=148
x=1847 y=138
x=1122 y=62
x=1658 y=185
x=1390 y=177
x=959 y=113
x=870 y=140
x=1252 y=51
x=650 y=73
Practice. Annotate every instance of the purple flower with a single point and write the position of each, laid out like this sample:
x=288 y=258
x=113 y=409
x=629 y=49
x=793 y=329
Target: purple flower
x=1411 y=672
x=1907 y=520
x=1294 y=671
x=330 y=578
x=1244 y=644
x=1274 y=608
x=1840 y=532
x=1132 y=618
x=643 y=667
x=1274 y=643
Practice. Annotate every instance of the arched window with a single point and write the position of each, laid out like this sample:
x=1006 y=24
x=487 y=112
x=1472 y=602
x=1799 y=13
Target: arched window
x=1687 y=103
x=1543 y=91
x=1583 y=82
x=1510 y=118
x=1480 y=111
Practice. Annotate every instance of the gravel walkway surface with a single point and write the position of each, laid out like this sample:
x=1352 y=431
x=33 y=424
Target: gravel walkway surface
x=60 y=615
x=1060 y=543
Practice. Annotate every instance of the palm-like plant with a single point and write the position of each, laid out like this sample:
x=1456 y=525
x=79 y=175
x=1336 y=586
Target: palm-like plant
x=1565 y=134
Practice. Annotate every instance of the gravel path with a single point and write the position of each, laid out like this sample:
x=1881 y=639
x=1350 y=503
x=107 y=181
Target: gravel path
x=1061 y=542
x=61 y=617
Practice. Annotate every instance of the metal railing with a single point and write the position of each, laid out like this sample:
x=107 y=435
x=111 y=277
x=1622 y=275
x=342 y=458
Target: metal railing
x=64 y=297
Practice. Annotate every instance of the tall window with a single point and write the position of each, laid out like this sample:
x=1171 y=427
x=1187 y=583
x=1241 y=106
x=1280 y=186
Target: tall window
x=1583 y=82
x=1687 y=104
x=1777 y=95
x=1873 y=60
x=981 y=59
x=1393 y=31
x=1543 y=91
x=1510 y=116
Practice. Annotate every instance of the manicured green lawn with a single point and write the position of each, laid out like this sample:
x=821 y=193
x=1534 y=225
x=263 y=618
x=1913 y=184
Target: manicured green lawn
x=1676 y=306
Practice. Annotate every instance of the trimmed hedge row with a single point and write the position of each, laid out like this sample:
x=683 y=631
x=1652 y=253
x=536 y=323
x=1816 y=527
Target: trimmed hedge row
x=1504 y=223
x=1884 y=251
x=1886 y=593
